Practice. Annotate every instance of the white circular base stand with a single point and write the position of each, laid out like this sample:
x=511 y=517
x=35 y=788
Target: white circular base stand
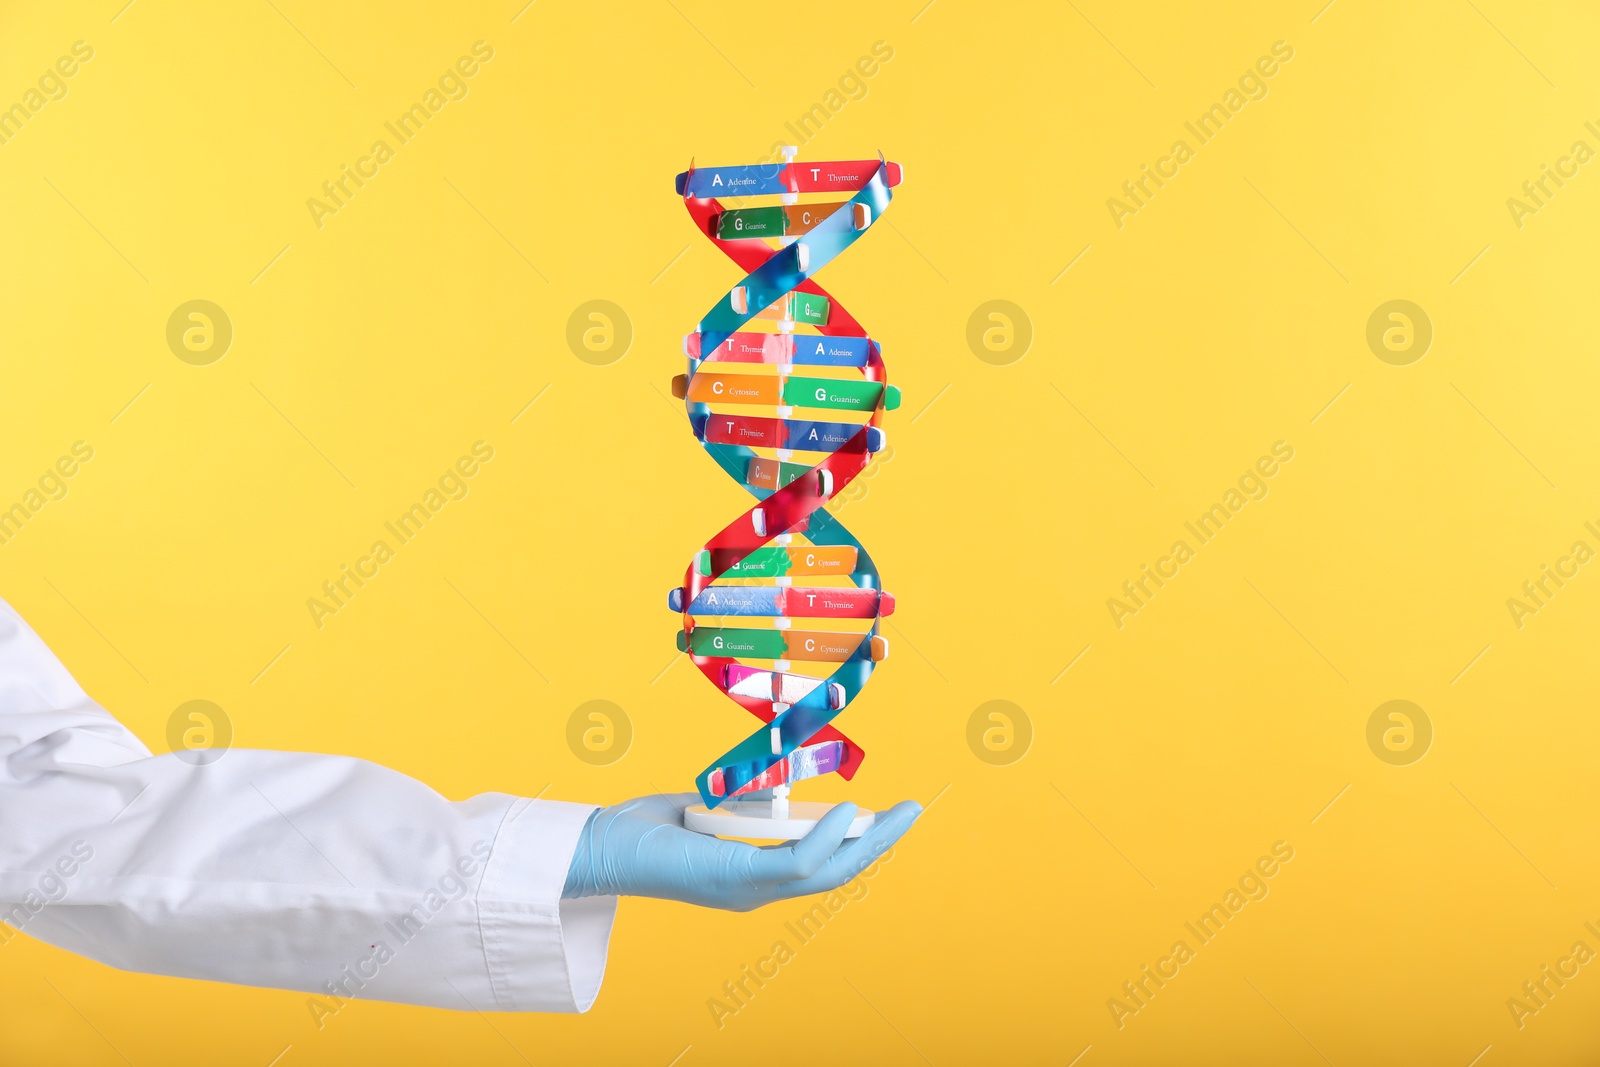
x=753 y=819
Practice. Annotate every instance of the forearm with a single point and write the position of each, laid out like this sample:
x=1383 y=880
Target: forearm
x=318 y=873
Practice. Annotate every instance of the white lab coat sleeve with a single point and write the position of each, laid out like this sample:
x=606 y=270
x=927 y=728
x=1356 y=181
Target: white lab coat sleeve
x=323 y=874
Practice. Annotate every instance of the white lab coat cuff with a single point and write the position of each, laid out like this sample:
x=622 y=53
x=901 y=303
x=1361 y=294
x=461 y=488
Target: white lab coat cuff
x=543 y=953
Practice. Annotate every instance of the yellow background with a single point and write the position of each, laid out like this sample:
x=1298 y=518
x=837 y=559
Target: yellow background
x=1223 y=317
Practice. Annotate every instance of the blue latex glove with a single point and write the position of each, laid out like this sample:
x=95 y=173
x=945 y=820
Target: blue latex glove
x=640 y=848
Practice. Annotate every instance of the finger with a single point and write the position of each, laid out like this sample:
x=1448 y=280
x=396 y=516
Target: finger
x=678 y=801
x=664 y=808
x=805 y=856
x=858 y=855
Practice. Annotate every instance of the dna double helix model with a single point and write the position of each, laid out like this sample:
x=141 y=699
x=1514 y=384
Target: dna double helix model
x=786 y=559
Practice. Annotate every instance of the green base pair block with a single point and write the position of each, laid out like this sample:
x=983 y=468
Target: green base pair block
x=729 y=641
x=838 y=393
x=809 y=308
x=751 y=222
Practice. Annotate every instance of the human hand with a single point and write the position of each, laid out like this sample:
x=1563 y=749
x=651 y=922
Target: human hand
x=640 y=848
